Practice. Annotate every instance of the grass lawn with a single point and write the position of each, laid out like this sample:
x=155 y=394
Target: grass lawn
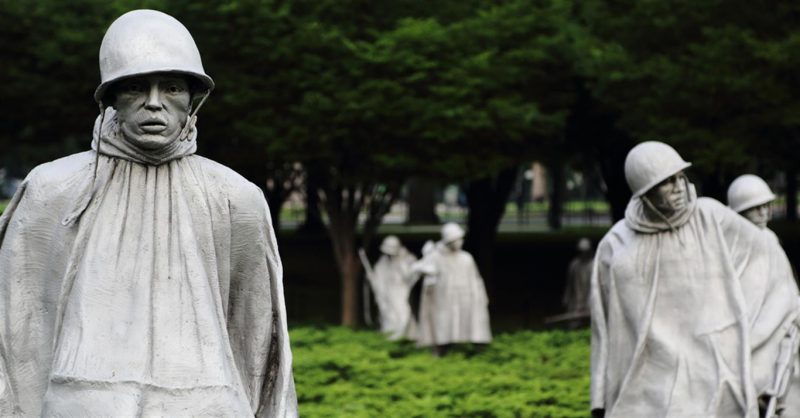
x=344 y=373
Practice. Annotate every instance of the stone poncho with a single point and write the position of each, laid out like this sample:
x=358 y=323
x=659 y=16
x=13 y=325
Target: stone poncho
x=456 y=301
x=392 y=285
x=153 y=289
x=672 y=328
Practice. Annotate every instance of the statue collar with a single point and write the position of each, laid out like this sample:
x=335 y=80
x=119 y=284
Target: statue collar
x=636 y=219
x=113 y=144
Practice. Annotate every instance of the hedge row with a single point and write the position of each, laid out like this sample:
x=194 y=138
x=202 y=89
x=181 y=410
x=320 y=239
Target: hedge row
x=344 y=373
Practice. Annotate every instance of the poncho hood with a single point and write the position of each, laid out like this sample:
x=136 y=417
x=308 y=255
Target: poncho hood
x=113 y=144
x=637 y=220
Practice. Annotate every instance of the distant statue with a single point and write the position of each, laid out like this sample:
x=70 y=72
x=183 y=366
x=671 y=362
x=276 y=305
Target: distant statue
x=679 y=328
x=750 y=196
x=427 y=308
x=392 y=280
x=579 y=275
x=458 y=301
x=137 y=278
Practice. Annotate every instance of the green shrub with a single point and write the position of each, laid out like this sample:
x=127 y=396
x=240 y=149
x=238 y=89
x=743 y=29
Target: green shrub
x=341 y=372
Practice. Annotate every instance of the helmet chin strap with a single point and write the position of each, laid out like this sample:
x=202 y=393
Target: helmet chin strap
x=99 y=137
x=655 y=210
x=192 y=119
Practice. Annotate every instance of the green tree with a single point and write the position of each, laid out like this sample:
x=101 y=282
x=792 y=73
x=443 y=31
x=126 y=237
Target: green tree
x=713 y=78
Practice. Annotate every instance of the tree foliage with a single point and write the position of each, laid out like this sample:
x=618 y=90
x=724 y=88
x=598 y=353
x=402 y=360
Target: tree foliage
x=713 y=78
x=364 y=95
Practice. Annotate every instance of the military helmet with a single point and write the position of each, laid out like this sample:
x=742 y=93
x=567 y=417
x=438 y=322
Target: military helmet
x=428 y=248
x=451 y=232
x=145 y=42
x=390 y=245
x=650 y=163
x=747 y=192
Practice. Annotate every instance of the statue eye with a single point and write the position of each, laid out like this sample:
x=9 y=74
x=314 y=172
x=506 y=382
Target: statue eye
x=133 y=88
x=175 y=89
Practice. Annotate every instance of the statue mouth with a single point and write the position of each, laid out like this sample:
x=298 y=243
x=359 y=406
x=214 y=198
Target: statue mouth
x=153 y=126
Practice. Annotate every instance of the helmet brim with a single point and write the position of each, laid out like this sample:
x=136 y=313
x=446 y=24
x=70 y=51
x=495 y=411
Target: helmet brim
x=750 y=204
x=102 y=89
x=455 y=238
x=654 y=182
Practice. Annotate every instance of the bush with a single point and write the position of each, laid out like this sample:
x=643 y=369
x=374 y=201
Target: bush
x=341 y=372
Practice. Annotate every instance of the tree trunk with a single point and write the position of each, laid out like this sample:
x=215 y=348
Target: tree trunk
x=592 y=132
x=616 y=186
x=421 y=202
x=791 y=194
x=313 y=223
x=555 y=209
x=275 y=199
x=486 y=199
x=342 y=233
x=350 y=271
x=343 y=205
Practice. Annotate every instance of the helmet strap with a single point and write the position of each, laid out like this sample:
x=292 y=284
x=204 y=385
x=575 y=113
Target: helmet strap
x=653 y=208
x=99 y=137
x=192 y=119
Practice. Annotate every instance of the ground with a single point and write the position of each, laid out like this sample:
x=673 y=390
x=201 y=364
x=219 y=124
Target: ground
x=344 y=373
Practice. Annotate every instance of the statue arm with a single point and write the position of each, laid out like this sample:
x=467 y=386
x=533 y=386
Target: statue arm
x=598 y=306
x=409 y=275
x=256 y=310
x=425 y=266
x=8 y=401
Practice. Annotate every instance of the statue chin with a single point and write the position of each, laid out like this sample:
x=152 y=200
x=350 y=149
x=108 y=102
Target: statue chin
x=150 y=141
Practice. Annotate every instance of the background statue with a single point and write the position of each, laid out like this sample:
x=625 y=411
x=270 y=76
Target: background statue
x=459 y=305
x=672 y=333
x=579 y=275
x=391 y=280
x=427 y=307
x=751 y=197
x=139 y=279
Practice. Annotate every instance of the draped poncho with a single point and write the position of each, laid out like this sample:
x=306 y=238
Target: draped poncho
x=141 y=283
x=456 y=306
x=678 y=327
x=392 y=285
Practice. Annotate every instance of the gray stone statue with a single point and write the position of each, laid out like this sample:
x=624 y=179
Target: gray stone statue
x=458 y=303
x=137 y=278
x=391 y=280
x=579 y=274
x=674 y=331
x=427 y=308
x=751 y=197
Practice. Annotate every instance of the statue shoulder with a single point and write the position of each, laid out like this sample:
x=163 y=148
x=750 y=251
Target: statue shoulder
x=241 y=193
x=708 y=203
x=221 y=174
x=61 y=175
x=466 y=257
x=619 y=233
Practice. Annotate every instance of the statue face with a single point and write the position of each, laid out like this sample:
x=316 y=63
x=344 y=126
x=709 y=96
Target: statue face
x=671 y=195
x=455 y=245
x=759 y=215
x=152 y=109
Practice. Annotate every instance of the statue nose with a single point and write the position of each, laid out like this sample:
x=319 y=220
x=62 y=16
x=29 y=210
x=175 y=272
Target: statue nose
x=153 y=98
